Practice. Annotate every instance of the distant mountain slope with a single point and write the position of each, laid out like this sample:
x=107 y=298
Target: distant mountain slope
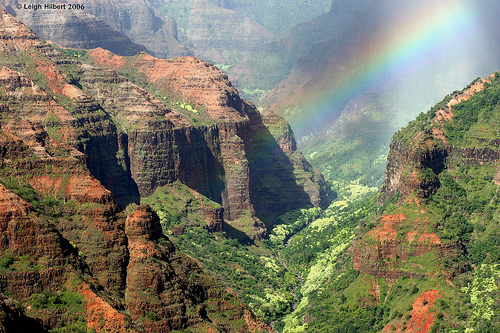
x=277 y=16
x=350 y=93
x=263 y=69
x=123 y=27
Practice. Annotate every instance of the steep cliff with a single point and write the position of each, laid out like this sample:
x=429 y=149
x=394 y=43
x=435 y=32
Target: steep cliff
x=124 y=27
x=70 y=256
x=438 y=206
x=246 y=149
x=148 y=141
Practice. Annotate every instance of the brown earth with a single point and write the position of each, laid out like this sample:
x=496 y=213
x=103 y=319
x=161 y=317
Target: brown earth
x=384 y=250
x=71 y=254
x=422 y=316
x=100 y=315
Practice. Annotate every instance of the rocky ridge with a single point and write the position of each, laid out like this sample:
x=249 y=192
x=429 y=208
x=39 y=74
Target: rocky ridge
x=429 y=148
x=412 y=169
x=242 y=139
x=438 y=199
x=70 y=255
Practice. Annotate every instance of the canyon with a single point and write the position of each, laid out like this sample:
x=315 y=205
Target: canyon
x=124 y=177
x=81 y=143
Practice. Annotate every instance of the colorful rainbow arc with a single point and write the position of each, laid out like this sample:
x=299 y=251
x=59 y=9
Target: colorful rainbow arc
x=405 y=44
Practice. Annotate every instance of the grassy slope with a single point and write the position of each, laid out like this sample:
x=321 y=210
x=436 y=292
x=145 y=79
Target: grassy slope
x=230 y=257
x=464 y=209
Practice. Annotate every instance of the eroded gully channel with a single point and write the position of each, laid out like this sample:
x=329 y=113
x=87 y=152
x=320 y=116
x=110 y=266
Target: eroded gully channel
x=297 y=275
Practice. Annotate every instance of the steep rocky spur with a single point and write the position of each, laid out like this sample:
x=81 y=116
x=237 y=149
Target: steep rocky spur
x=70 y=256
x=437 y=220
x=428 y=148
x=241 y=134
x=413 y=166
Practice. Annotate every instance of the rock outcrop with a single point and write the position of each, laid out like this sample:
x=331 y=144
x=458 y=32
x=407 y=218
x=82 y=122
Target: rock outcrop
x=385 y=250
x=419 y=155
x=429 y=149
x=242 y=147
x=70 y=257
x=157 y=286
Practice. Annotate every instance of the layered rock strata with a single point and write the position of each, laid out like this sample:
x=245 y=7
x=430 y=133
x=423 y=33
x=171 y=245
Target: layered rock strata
x=70 y=257
x=244 y=146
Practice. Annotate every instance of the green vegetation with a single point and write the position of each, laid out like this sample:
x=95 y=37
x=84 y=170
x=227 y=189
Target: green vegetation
x=463 y=210
x=318 y=253
x=53 y=126
x=250 y=271
x=59 y=299
x=475 y=121
x=289 y=224
x=69 y=305
x=482 y=292
x=187 y=107
x=74 y=53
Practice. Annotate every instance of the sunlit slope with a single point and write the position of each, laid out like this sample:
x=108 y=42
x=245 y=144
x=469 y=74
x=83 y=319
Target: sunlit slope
x=425 y=258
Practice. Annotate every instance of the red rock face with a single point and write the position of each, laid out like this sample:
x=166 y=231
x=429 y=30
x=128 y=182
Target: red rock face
x=383 y=250
x=24 y=235
x=423 y=315
x=67 y=237
x=100 y=315
x=422 y=318
x=235 y=142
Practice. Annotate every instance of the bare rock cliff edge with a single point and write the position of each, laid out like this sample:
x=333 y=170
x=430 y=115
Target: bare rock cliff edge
x=69 y=255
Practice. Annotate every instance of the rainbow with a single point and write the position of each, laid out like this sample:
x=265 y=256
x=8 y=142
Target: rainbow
x=404 y=44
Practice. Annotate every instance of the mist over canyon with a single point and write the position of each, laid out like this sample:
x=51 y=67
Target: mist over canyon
x=152 y=177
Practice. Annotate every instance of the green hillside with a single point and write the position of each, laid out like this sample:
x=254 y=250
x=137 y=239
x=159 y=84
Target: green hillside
x=441 y=265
